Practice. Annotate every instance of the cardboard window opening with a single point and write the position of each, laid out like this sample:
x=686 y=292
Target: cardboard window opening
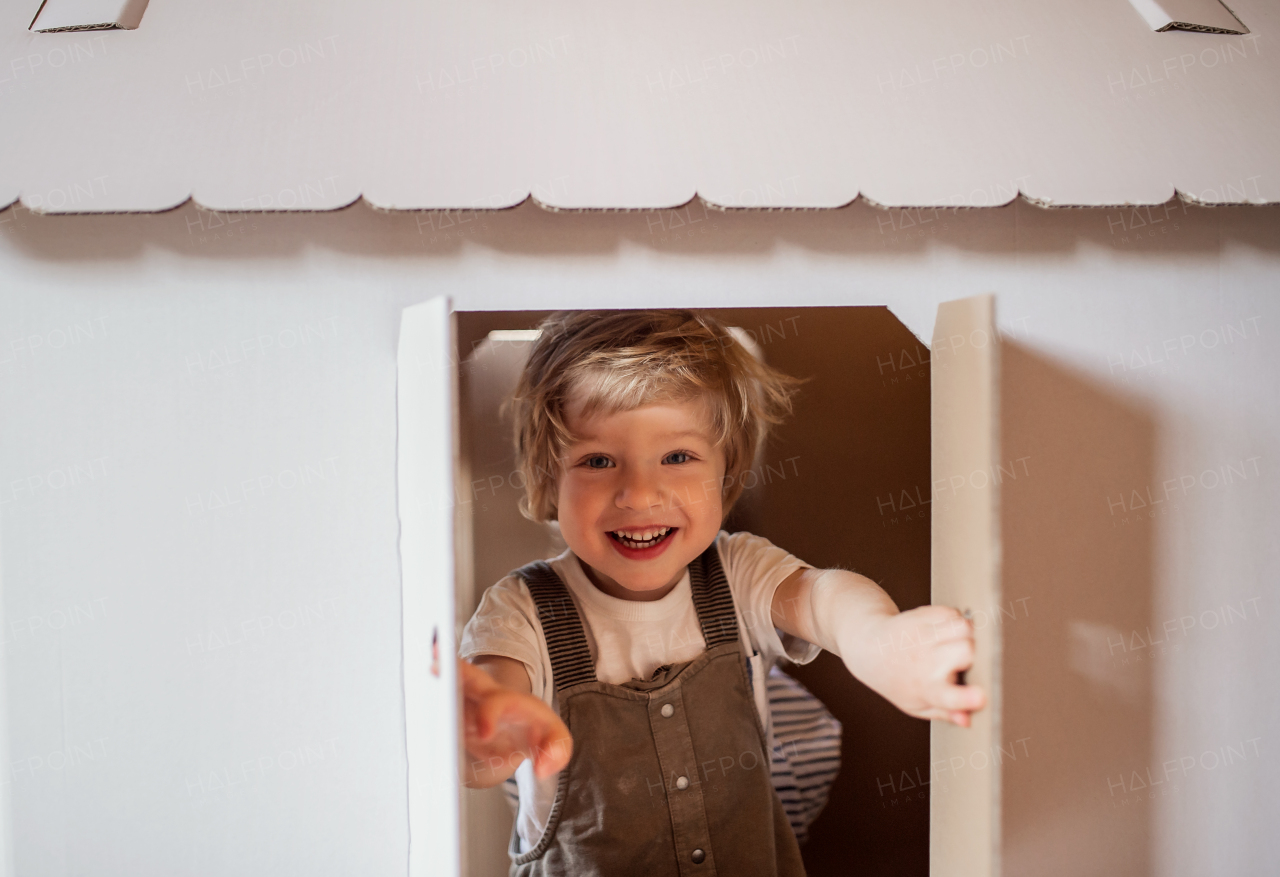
x=858 y=357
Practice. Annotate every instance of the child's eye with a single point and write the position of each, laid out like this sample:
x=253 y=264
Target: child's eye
x=598 y=461
x=677 y=454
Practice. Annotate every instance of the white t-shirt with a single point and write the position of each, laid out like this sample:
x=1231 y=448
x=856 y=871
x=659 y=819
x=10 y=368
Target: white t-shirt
x=630 y=639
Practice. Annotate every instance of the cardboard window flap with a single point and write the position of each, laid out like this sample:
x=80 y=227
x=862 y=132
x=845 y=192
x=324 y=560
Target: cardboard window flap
x=1205 y=16
x=425 y=409
x=965 y=821
x=74 y=15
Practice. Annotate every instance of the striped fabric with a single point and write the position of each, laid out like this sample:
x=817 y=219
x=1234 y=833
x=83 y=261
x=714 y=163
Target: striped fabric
x=511 y=792
x=806 y=753
x=566 y=642
x=712 y=599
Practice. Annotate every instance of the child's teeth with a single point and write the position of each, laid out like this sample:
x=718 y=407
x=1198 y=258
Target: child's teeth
x=643 y=536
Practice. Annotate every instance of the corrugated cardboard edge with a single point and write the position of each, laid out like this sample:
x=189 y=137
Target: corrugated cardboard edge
x=130 y=18
x=1202 y=28
x=695 y=200
x=104 y=25
x=1161 y=20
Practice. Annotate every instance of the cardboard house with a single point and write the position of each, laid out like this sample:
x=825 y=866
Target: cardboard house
x=263 y=278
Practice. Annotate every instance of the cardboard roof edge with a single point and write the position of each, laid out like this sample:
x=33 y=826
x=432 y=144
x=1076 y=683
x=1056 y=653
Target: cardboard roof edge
x=1176 y=195
x=1085 y=107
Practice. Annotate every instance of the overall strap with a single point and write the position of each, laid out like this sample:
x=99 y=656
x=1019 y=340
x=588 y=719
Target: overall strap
x=566 y=641
x=712 y=598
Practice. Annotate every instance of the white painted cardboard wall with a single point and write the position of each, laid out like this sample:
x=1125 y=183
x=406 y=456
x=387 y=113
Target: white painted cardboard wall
x=306 y=106
x=201 y=578
x=199 y=532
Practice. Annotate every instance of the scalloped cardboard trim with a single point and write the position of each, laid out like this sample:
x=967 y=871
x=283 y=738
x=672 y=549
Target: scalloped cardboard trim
x=1206 y=199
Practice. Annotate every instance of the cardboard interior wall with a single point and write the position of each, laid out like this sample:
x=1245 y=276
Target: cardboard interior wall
x=755 y=104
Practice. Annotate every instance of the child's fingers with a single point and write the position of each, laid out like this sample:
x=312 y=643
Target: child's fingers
x=951 y=658
x=553 y=751
x=506 y=710
x=486 y=703
x=550 y=744
x=501 y=723
x=930 y=714
x=956 y=717
x=968 y=698
x=509 y=722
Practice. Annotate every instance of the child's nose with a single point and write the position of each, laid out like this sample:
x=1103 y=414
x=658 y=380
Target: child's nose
x=640 y=490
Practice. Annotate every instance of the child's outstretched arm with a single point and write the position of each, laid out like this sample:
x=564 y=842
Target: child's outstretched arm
x=503 y=723
x=913 y=659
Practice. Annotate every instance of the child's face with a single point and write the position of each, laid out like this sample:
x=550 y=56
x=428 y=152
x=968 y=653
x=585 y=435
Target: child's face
x=651 y=469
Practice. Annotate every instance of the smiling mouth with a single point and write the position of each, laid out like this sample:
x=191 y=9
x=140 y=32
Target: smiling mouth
x=641 y=539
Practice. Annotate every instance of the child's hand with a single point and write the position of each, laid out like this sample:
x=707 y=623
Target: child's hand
x=912 y=659
x=916 y=659
x=503 y=726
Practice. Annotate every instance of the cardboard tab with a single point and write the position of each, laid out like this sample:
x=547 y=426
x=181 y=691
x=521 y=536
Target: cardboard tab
x=73 y=15
x=1205 y=16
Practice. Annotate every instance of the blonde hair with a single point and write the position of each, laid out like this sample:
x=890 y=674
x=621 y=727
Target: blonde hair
x=622 y=360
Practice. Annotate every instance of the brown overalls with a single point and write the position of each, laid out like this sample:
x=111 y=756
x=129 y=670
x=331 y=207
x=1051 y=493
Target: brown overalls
x=669 y=777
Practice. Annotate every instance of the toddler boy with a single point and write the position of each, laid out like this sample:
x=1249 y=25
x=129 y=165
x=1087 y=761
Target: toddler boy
x=623 y=681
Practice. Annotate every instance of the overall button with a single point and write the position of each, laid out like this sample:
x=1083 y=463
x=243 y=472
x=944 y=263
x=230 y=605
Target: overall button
x=668 y=711
x=698 y=857
x=682 y=783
